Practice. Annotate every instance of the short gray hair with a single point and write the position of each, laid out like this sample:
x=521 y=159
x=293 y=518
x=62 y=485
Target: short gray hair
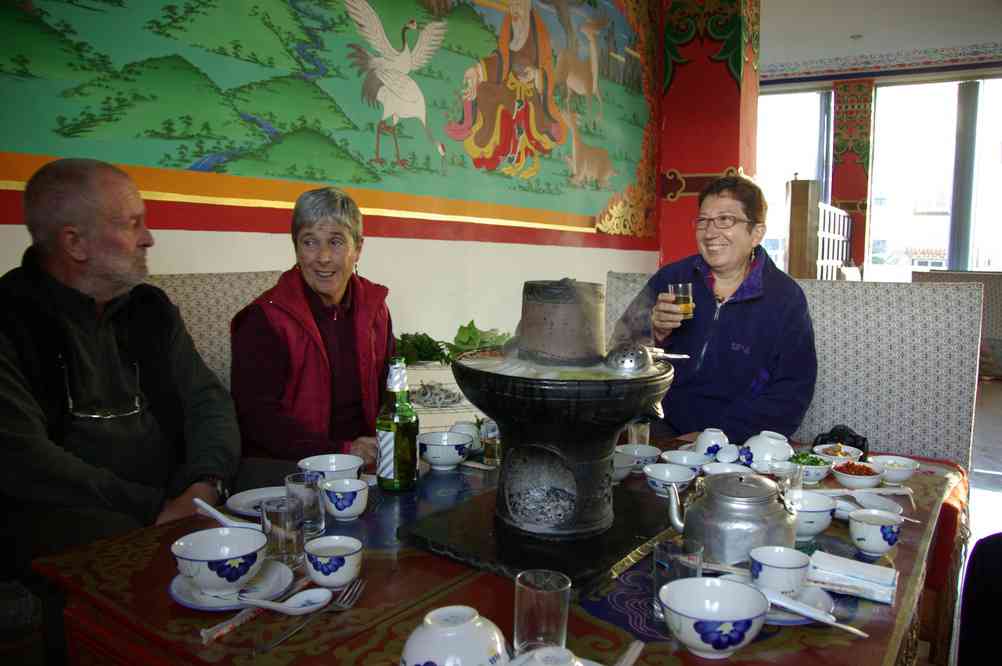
x=64 y=192
x=328 y=204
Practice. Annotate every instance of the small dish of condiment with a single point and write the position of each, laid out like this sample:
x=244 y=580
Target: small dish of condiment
x=855 y=475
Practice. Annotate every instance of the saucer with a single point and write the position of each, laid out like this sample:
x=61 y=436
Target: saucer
x=526 y=658
x=248 y=503
x=810 y=595
x=272 y=581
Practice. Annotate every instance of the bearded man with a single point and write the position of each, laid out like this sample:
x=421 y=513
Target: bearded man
x=510 y=114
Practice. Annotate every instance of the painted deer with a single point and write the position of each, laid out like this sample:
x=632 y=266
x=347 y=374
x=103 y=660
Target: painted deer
x=581 y=76
x=587 y=162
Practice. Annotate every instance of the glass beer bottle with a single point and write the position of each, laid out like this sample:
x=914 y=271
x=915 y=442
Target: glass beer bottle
x=396 y=434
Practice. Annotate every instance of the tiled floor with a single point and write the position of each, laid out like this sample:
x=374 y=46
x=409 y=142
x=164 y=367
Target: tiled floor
x=986 y=478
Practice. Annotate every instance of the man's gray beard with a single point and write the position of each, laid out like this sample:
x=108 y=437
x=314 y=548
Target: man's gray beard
x=519 y=34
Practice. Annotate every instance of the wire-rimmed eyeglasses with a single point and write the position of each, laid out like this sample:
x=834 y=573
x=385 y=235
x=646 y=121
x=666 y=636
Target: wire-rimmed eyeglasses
x=725 y=221
x=103 y=413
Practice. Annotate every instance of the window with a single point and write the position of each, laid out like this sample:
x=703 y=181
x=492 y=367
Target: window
x=911 y=180
x=986 y=211
x=789 y=127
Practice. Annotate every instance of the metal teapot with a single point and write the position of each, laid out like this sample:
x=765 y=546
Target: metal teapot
x=733 y=513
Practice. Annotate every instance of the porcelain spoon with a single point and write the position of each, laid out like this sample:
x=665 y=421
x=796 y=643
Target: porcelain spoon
x=300 y=603
x=777 y=599
x=207 y=509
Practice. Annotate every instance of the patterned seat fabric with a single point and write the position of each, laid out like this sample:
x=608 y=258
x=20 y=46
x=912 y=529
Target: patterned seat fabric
x=208 y=302
x=896 y=362
x=991 y=323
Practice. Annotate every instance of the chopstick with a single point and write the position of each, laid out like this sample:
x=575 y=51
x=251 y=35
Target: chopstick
x=631 y=654
x=852 y=590
x=246 y=615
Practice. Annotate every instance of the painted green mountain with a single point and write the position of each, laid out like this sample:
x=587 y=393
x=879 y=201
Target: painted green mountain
x=304 y=154
x=264 y=33
x=125 y=105
x=290 y=102
x=32 y=48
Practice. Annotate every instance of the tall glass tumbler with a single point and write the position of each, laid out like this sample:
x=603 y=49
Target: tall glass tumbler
x=673 y=559
x=542 y=601
x=282 y=523
x=306 y=486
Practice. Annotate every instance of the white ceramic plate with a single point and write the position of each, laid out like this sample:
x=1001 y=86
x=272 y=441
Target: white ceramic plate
x=272 y=581
x=813 y=596
x=527 y=658
x=248 y=503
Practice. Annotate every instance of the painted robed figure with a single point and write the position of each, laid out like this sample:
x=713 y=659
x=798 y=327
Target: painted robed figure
x=510 y=113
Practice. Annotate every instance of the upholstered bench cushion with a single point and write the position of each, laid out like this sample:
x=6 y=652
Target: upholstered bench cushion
x=208 y=302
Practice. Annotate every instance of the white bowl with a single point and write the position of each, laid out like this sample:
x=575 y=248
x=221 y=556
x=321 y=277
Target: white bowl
x=220 y=559
x=333 y=465
x=728 y=453
x=723 y=468
x=621 y=466
x=766 y=446
x=548 y=656
x=473 y=430
x=874 y=532
x=345 y=499
x=710 y=441
x=713 y=617
x=456 y=635
x=856 y=482
x=690 y=459
x=815 y=473
x=662 y=475
x=897 y=469
x=814 y=515
x=643 y=454
x=444 y=450
x=333 y=561
x=778 y=568
x=825 y=451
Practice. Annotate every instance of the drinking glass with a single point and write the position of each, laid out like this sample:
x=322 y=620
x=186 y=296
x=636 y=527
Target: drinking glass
x=306 y=486
x=673 y=559
x=682 y=291
x=491 y=436
x=542 y=601
x=282 y=523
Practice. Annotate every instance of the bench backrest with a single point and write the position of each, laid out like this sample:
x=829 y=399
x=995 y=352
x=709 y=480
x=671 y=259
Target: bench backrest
x=208 y=302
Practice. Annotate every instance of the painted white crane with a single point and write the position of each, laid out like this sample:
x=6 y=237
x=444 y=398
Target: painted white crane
x=387 y=72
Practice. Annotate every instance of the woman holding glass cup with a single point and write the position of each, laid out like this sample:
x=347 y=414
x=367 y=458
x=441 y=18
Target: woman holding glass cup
x=743 y=322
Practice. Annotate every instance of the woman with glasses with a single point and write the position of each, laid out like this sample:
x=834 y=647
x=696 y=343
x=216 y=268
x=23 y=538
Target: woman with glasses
x=752 y=364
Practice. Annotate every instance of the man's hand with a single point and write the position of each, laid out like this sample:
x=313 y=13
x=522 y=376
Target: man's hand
x=366 y=449
x=665 y=317
x=184 y=504
x=471 y=79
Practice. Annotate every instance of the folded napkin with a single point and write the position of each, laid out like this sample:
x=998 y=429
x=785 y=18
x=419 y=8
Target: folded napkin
x=874 y=582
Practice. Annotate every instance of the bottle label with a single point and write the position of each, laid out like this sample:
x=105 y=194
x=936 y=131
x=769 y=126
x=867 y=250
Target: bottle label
x=386 y=467
x=396 y=381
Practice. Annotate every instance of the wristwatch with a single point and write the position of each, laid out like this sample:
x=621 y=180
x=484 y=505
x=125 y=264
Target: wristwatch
x=216 y=482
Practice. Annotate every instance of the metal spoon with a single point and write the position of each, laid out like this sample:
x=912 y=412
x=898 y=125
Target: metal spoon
x=300 y=603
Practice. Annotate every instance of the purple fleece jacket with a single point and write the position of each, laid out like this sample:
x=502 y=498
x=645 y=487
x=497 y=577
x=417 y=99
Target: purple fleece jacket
x=753 y=364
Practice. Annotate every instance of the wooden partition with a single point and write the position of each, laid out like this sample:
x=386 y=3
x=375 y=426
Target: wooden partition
x=819 y=233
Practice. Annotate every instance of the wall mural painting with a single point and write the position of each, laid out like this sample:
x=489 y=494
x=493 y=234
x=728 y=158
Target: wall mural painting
x=538 y=105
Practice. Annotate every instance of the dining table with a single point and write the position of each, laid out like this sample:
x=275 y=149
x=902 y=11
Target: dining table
x=119 y=609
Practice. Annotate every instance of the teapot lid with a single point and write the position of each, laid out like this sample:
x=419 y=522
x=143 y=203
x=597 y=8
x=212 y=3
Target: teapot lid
x=744 y=487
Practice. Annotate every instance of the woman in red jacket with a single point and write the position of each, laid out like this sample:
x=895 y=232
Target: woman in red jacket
x=310 y=354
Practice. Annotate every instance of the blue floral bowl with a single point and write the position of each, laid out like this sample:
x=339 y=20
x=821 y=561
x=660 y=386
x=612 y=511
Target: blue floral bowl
x=221 y=559
x=713 y=617
x=333 y=561
x=444 y=450
x=345 y=499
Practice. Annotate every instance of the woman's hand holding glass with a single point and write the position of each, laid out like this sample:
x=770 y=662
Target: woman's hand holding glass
x=666 y=316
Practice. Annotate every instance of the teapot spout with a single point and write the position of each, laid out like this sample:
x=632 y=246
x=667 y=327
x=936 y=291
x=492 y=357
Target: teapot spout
x=675 y=509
